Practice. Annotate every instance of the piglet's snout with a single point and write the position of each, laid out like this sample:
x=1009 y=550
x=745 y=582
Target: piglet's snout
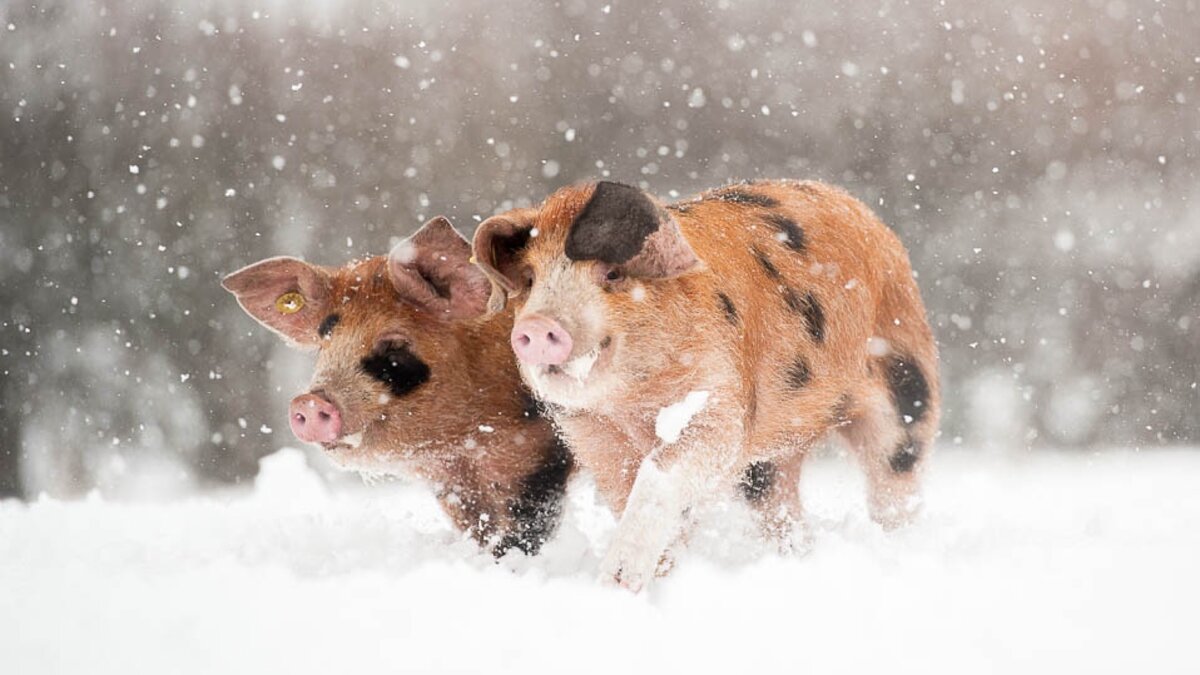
x=540 y=340
x=314 y=419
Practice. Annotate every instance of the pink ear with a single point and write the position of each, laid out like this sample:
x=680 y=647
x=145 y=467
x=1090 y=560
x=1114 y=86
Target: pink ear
x=432 y=270
x=497 y=246
x=665 y=254
x=287 y=295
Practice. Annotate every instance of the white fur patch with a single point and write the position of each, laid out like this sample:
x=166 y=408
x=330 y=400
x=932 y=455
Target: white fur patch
x=581 y=366
x=673 y=419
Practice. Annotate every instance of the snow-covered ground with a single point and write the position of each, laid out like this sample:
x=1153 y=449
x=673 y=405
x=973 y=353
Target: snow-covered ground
x=1038 y=563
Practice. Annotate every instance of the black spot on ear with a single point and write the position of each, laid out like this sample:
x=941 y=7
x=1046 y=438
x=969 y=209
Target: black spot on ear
x=731 y=313
x=799 y=374
x=735 y=195
x=327 y=325
x=614 y=224
x=910 y=390
x=788 y=231
x=905 y=458
x=765 y=262
x=396 y=366
x=758 y=480
x=537 y=510
x=807 y=306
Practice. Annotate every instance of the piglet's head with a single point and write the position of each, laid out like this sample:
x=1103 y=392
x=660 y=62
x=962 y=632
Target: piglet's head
x=387 y=331
x=582 y=273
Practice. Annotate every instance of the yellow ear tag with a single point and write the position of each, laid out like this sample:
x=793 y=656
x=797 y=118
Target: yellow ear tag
x=289 y=303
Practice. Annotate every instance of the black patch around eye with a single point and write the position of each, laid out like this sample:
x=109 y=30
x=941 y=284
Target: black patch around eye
x=731 y=313
x=614 y=224
x=809 y=307
x=328 y=324
x=905 y=458
x=745 y=198
x=910 y=390
x=537 y=510
x=799 y=374
x=765 y=262
x=397 y=367
x=789 y=232
x=758 y=480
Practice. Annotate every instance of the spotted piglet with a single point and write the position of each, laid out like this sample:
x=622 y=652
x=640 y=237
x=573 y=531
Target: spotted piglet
x=413 y=376
x=704 y=345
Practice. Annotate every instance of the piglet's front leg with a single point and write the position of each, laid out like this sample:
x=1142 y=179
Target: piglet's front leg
x=678 y=475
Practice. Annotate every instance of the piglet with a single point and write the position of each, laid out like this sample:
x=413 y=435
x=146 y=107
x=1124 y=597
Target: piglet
x=707 y=345
x=414 y=377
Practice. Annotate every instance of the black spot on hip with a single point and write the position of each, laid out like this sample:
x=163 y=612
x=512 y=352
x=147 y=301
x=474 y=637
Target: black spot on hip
x=758 y=480
x=537 y=509
x=614 y=224
x=744 y=197
x=789 y=232
x=328 y=324
x=396 y=366
x=798 y=374
x=764 y=261
x=905 y=458
x=910 y=390
x=731 y=313
x=807 y=306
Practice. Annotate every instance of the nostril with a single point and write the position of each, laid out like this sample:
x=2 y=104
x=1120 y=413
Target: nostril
x=299 y=418
x=324 y=416
x=552 y=337
x=523 y=340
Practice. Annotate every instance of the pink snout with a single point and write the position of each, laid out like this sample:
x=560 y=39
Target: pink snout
x=540 y=340
x=314 y=419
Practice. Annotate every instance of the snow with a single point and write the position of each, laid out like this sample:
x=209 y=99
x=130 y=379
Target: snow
x=1046 y=563
x=673 y=419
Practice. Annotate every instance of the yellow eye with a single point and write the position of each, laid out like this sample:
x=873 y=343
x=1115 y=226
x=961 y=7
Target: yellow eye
x=289 y=303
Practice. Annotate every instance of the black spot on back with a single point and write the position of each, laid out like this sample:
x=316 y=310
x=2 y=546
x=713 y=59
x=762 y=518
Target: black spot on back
x=735 y=195
x=614 y=224
x=814 y=317
x=328 y=324
x=910 y=390
x=807 y=306
x=727 y=306
x=395 y=365
x=765 y=262
x=758 y=480
x=799 y=374
x=790 y=233
x=905 y=458
x=538 y=507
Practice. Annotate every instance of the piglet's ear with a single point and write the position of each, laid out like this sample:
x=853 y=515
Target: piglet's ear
x=432 y=270
x=497 y=247
x=287 y=295
x=623 y=225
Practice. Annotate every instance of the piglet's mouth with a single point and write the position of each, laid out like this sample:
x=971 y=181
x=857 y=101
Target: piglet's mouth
x=580 y=367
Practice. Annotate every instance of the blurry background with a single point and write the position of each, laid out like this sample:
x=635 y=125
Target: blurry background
x=1038 y=157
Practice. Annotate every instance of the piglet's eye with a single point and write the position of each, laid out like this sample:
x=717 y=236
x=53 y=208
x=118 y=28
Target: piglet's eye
x=614 y=274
